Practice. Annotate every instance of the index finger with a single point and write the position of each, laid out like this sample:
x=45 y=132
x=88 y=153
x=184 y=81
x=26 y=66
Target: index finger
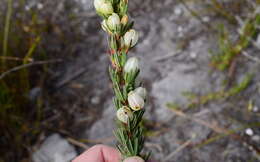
x=99 y=153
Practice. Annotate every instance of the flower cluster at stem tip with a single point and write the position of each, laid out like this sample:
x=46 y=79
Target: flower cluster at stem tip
x=113 y=23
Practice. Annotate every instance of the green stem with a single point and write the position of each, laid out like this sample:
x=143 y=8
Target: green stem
x=6 y=29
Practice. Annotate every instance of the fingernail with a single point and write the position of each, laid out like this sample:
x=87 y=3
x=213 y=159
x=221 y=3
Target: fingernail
x=134 y=159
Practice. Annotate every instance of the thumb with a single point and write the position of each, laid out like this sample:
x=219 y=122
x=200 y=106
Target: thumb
x=134 y=159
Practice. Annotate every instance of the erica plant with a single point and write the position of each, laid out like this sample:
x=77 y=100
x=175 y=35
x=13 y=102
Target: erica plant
x=129 y=97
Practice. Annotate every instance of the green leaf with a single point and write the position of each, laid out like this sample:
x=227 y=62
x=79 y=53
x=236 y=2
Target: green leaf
x=123 y=59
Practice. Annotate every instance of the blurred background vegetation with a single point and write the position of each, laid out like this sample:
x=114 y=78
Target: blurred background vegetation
x=20 y=39
x=31 y=44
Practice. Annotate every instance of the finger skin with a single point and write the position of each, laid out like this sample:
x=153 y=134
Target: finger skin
x=99 y=153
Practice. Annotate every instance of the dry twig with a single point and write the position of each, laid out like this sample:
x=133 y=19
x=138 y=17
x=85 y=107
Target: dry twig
x=14 y=58
x=77 y=143
x=246 y=54
x=217 y=129
x=170 y=156
x=17 y=68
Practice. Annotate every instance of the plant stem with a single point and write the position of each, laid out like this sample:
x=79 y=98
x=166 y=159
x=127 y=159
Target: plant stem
x=6 y=29
x=129 y=103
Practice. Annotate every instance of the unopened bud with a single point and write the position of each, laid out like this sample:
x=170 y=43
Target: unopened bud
x=104 y=26
x=132 y=64
x=103 y=7
x=131 y=38
x=98 y=3
x=134 y=159
x=113 y=22
x=124 y=20
x=135 y=101
x=124 y=114
x=141 y=92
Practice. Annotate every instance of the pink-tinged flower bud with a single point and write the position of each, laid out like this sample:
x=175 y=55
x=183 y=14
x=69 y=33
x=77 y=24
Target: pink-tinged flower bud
x=135 y=101
x=124 y=114
x=131 y=38
x=113 y=22
x=132 y=64
x=141 y=92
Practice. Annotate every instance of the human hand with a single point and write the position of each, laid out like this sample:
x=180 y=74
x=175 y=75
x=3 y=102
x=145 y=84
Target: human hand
x=102 y=153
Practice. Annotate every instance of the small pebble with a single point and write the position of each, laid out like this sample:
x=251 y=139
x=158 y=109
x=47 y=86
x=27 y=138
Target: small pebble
x=27 y=8
x=256 y=138
x=206 y=19
x=255 y=109
x=193 y=55
x=180 y=29
x=34 y=93
x=178 y=11
x=193 y=135
x=249 y=131
x=40 y=6
x=95 y=100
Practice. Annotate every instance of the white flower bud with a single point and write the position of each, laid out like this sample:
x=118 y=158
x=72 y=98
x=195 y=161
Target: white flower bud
x=132 y=64
x=104 y=26
x=134 y=159
x=131 y=38
x=104 y=7
x=98 y=3
x=113 y=22
x=124 y=114
x=135 y=101
x=141 y=92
